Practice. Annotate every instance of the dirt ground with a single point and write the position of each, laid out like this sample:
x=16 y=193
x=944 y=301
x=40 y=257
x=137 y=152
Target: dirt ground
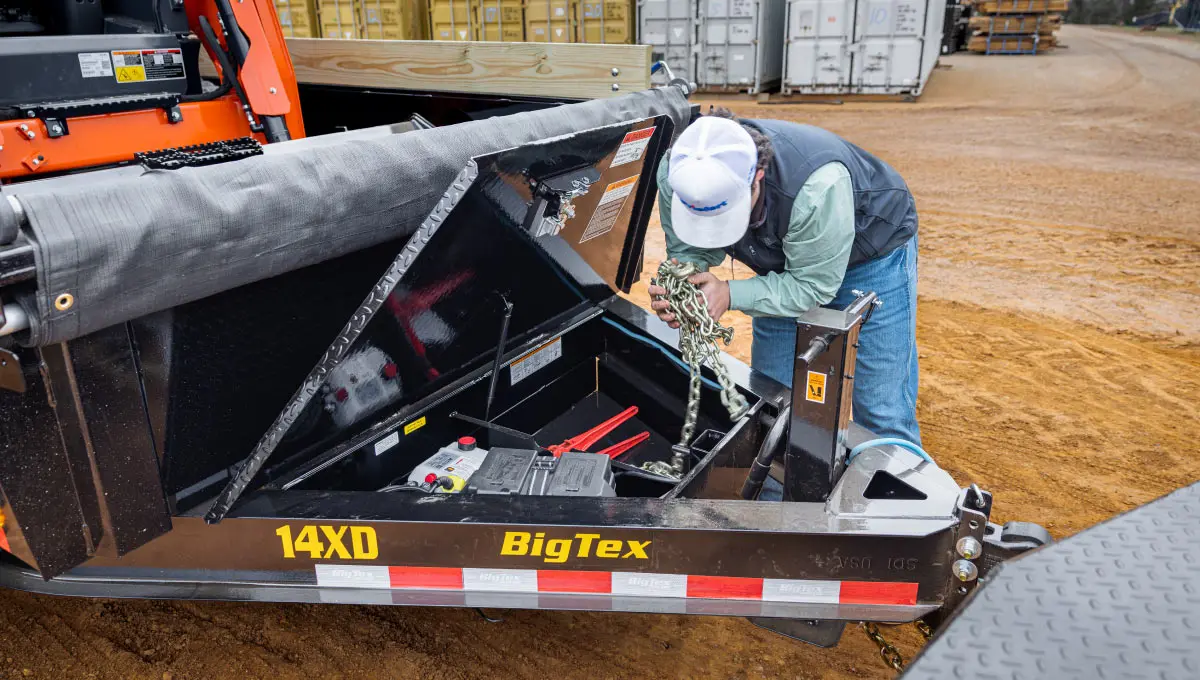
x=1060 y=354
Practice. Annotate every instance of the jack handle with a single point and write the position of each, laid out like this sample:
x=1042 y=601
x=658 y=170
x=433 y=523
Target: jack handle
x=660 y=65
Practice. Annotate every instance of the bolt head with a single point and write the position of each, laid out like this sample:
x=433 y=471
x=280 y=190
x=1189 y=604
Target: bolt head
x=965 y=571
x=969 y=547
x=271 y=90
x=55 y=129
x=616 y=72
x=29 y=134
x=30 y=114
x=615 y=87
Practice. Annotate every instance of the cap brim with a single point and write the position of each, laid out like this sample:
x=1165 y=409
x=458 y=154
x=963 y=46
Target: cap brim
x=711 y=231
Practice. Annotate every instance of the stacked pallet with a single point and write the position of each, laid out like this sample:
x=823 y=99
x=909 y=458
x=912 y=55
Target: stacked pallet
x=1015 y=26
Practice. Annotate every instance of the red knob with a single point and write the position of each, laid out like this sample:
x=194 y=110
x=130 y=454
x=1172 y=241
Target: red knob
x=430 y=478
x=466 y=443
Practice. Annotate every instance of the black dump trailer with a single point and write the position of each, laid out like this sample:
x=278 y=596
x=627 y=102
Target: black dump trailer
x=272 y=379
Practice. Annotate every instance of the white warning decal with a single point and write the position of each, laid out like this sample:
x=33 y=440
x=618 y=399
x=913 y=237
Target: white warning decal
x=95 y=65
x=529 y=364
x=632 y=147
x=609 y=208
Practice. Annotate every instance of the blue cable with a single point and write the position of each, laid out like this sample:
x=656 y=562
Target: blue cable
x=655 y=344
x=884 y=441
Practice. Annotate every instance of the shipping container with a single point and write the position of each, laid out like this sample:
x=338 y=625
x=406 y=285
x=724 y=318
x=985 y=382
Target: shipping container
x=861 y=46
x=501 y=20
x=452 y=20
x=298 y=18
x=605 y=21
x=669 y=26
x=741 y=45
x=394 y=19
x=722 y=45
x=339 y=20
x=550 y=21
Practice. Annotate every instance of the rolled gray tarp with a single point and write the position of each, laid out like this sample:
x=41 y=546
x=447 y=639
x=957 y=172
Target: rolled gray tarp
x=141 y=243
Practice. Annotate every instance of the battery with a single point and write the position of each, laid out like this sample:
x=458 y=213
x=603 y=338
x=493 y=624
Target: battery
x=524 y=472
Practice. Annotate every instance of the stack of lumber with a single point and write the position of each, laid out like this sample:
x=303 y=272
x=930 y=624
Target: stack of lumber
x=1015 y=26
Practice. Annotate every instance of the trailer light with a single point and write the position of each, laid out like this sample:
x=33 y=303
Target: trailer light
x=341 y=394
x=969 y=547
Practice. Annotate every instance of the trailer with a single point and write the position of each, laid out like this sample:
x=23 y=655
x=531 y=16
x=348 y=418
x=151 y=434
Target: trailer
x=220 y=381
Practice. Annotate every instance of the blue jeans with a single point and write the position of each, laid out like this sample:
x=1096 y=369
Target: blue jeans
x=885 y=379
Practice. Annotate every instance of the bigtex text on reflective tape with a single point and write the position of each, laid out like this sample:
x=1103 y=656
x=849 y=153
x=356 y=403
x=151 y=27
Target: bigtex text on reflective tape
x=559 y=550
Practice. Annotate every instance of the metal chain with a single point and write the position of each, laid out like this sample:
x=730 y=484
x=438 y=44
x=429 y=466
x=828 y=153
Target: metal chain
x=924 y=628
x=891 y=656
x=889 y=653
x=698 y=334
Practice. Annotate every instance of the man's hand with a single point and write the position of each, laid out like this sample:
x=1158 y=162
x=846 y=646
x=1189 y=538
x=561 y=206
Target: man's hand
x=660 y=306
x=716 y=293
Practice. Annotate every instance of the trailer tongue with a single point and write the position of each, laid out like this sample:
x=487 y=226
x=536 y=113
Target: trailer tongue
x=495 y=325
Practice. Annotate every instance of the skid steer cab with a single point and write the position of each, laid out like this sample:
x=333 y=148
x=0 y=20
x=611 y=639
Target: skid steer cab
x=465 y=415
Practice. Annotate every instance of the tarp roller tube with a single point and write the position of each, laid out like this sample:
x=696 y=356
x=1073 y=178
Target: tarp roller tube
x=147 y=242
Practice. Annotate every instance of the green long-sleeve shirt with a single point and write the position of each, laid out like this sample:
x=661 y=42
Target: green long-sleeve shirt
x=816 y=248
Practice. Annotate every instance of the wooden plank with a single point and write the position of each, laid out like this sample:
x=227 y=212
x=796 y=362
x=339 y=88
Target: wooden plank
x=1007 y=43
x=573 y=70
x=1020 y=6
x=1016 y=23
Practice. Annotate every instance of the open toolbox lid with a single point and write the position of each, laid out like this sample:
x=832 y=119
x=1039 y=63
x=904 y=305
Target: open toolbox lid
x=542 y=230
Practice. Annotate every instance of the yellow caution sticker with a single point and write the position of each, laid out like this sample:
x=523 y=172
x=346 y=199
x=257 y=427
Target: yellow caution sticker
x=414 y=425
x=128 y=66
x=130 y=74
x=816 y=387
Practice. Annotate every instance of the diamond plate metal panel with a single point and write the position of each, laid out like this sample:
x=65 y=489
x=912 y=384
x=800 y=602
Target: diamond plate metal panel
x=1120 y=600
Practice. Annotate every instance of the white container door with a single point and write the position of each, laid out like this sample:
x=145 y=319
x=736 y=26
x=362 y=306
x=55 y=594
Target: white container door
x=669 y=26
x=890 y=40
x=728 y=52
x=818 y=57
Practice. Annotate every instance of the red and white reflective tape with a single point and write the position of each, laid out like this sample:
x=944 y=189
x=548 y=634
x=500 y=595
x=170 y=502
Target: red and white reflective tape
x=627 y=584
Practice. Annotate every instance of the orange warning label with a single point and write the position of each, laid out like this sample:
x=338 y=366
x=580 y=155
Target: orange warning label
x=816 y=387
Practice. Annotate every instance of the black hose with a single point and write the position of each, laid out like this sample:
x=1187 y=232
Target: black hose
x=226 y=78
x=227 y=70
x=156 y=11
x=766 y=453
x=275 y=128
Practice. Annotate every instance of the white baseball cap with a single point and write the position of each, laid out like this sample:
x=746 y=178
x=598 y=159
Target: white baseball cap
x=711 y=172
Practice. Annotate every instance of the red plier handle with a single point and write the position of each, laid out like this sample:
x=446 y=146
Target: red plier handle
x=621 y=447
x=585 y=440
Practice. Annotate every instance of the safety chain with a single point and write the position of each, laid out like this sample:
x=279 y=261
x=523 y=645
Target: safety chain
x=925 y=630
x=698 y=334
x=891 y=656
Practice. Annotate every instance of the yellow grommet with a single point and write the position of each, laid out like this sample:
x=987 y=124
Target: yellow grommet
x=63 y=302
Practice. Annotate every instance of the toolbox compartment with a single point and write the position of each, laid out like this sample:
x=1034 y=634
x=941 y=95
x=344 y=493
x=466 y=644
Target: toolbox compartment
x=595 y=378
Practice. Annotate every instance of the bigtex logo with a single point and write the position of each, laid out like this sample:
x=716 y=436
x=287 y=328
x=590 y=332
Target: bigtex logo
x=557 y=550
